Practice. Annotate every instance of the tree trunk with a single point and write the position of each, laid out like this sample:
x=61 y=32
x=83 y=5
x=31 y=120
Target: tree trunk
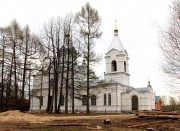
x=62 y=80
x=88 y=55
x=72 y=71
x=2 y=80
x=52 y=99
x=56 y=88
x=24 y=71
x=29 y=88
x=15 y=75
x=87 y=107
x=49 y=88
x=9 y=84
x=67 y=77
x=41 y=97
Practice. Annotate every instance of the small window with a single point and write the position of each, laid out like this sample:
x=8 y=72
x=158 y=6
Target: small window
x=93 y=100
x=114 y=65
x=109 y=99
x=84 y=100
x=124 y=66
x=105 y=100
x=62 y=100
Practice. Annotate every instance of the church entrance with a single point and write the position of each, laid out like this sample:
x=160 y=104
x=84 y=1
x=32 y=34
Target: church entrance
x=134 y=102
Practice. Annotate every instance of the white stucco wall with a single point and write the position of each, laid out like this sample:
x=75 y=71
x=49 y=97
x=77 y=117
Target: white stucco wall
x=145 y=100
x=120 y=75
x=114 y=90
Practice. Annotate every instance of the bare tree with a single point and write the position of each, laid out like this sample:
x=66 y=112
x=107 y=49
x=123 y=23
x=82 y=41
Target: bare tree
x=52 y=37
x=6 y=59
x=170 y=46
x=89 y=23
x=68 y=29
x=164 y=100
x=172 y=103
x=15 y=33
x=68 y=56
x=19 y=48
x=3 y=41
x=29 y=47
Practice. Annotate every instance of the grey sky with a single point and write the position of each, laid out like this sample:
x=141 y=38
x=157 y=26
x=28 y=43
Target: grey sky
x=137 y=21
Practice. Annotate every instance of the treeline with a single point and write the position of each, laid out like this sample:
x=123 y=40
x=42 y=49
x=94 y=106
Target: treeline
x=170 y=103
x=54 y=52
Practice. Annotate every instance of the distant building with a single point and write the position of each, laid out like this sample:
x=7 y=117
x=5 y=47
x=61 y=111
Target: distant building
x=115 y=96
x=158 y=103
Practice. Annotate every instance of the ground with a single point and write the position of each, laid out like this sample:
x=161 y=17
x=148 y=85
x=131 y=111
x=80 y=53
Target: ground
x=18 y=121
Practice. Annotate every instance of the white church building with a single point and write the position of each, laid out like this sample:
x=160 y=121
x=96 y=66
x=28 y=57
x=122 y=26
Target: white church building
x=116 y=96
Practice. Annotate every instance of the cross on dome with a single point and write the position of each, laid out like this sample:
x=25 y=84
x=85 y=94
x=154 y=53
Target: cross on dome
x=116 y=29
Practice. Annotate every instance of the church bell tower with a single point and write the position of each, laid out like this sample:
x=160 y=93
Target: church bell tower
x=117 y=61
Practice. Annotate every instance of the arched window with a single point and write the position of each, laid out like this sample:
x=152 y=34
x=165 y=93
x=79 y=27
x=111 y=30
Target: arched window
x=84 y=100
x=124 y=66
x=109 y=99
x=114 y=65
x=62 y=100
x=93 y=100
x=105 y=99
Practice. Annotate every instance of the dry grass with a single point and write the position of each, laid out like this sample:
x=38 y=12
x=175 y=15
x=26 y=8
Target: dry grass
x=17 y=116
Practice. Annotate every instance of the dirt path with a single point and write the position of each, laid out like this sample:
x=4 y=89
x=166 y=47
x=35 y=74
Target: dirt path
x=18 y=121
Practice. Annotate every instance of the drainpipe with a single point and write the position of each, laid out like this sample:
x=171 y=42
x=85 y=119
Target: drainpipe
x=121 y=102
x=116 y=97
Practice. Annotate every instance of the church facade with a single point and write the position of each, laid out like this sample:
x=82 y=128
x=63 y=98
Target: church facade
x=116 y=96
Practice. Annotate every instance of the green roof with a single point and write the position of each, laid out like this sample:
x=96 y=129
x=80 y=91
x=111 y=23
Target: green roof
x=157 y=98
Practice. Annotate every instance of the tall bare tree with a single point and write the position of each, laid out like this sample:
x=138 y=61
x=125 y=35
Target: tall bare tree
x=15 y=33
x=19 y=48
x=170 y=46
x=29 y=47
x=68 y=29
x=52 y=37
x=6 y=61
x=89 y=23
x=3 y=43
x=172 y=103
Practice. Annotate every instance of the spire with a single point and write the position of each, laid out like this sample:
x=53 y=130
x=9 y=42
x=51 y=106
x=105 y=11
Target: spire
x=116 y=43
x=115 y=29
x=149 y=83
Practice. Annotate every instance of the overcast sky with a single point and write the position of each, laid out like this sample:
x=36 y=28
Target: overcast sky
x=137 y=21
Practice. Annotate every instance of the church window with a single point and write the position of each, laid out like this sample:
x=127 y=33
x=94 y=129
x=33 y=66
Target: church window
x=105 y=100
x=62 y=100
x=93 y=100
x=124 y=66
x=114 y=65
x=84 y=100
x=109 y=99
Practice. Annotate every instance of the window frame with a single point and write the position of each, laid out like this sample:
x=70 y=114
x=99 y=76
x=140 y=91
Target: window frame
x=109 y=99
x=84 y=100
x=125 y=69
x=113 y=66
x=105 y=99
x=93 y=100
